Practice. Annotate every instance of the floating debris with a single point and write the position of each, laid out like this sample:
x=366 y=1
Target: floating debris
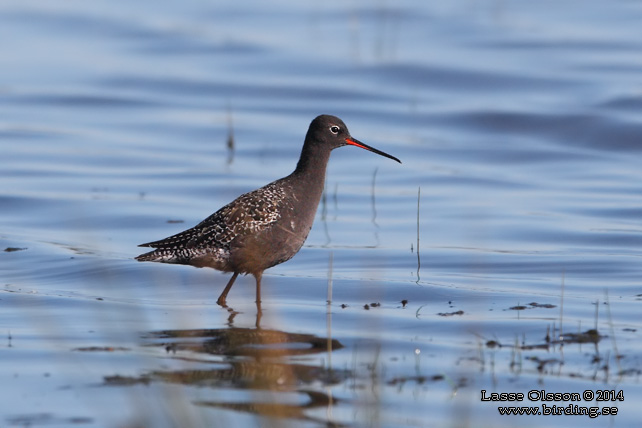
x=101 y=349
x=450 y=314
x=12 y=249
x=542 y=305
x=418 y=379
x=493 y=344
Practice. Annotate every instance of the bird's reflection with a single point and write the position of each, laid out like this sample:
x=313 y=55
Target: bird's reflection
x=253 y=359
x=314 y=399
x=242 y=342
x=232 y=314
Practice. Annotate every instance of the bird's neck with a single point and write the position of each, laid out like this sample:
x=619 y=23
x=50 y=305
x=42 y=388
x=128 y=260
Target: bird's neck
x=310 y=171
x=313 y=162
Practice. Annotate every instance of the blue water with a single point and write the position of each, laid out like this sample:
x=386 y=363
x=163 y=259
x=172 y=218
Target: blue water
x=518 y=125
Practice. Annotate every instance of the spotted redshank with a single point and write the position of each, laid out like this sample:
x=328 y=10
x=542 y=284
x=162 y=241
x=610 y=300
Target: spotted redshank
x=267 y=226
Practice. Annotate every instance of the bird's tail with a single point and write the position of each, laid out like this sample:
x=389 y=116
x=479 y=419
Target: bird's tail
x=159 y=255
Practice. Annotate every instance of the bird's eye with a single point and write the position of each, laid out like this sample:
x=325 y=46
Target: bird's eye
x=335 y=129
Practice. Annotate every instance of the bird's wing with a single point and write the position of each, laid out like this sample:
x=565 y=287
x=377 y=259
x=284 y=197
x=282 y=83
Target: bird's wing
x=248 y=214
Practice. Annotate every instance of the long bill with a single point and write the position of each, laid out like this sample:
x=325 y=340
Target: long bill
x=354 y=142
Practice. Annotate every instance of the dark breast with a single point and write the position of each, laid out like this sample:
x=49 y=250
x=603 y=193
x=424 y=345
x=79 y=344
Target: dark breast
x=275 y=227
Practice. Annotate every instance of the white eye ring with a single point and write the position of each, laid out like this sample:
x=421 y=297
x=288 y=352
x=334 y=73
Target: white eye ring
x=335 y=129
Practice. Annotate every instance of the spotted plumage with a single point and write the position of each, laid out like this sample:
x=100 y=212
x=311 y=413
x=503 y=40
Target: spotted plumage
x=267 y=226
x=209 y=242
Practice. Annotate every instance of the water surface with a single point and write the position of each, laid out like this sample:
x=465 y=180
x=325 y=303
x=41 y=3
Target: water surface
x=502 y=255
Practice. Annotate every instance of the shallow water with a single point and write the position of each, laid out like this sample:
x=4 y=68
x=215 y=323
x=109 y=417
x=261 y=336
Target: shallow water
x=511 y=232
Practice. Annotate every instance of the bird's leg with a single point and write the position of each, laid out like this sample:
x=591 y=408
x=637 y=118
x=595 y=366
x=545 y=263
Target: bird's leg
x=223 y=296
x=259 y=312
x=258 y=287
